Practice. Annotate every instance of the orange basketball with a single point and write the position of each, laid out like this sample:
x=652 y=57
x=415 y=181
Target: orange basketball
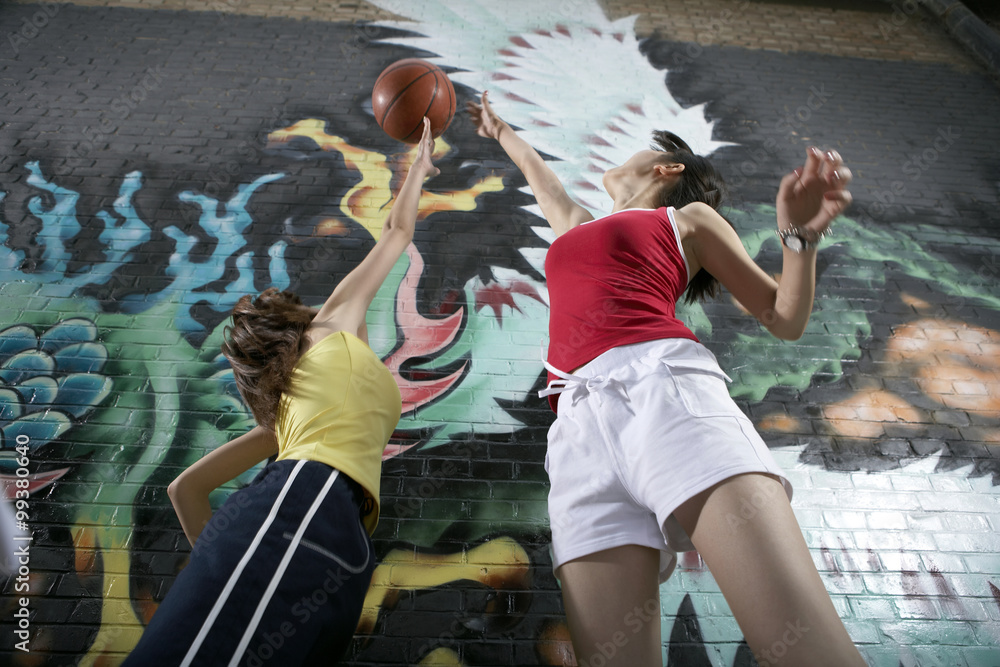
x=408 y=90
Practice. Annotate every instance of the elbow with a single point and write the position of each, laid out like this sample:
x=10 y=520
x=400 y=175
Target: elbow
x=174 y=490
x=791 y=336
x=789 y=333
x=178 y=488
x=783 y=329
x=397 y=228
x=782 y=325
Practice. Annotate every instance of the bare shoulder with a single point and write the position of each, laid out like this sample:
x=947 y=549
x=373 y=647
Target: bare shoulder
x=567 y=220
x=697 y=217
x=320 y=329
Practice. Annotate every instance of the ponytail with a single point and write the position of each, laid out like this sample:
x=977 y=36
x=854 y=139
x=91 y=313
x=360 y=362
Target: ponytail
x=699 y=182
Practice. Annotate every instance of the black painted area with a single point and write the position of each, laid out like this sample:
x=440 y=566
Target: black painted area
x=188 y=99
x=924 y=147
x=921 y=139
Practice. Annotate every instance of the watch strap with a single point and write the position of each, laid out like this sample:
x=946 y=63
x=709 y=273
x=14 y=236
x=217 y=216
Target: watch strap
x=807 y=239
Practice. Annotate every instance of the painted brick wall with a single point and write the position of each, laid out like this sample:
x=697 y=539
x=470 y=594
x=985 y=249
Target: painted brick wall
x=158 y=160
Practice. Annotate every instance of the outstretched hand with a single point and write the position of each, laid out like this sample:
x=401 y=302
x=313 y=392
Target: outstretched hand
x=488 y=123
x=813 y=195
x=425 y=150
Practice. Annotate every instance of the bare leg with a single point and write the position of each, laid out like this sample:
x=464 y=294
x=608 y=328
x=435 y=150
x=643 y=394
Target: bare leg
x=612 y=601
x=748 y=536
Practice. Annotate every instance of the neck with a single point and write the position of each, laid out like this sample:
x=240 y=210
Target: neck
x=646 y=198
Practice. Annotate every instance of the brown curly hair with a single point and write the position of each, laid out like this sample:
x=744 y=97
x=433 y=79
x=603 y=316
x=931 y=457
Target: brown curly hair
x=262 y=345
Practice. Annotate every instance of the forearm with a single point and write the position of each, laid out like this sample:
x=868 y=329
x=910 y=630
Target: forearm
x=558 y=208
x=809 y=198
x=191 y=506
x=402 y=216
x=541 y=179
x=190 y=490
x=793 y=299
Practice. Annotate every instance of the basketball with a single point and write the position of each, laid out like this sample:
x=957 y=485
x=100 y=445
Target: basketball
x=408 y=90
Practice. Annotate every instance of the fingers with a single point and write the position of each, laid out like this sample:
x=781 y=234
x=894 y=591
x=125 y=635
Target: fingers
x=425 y=150
x=479 y=107
x=827 y=167
x=833 y=172
x=815 y=193
x=487 y=123
x=428 y=137
x=836 y=177
x=426 y=145
x=476 y=110
x=821 y=167
x=814 y=163
x=791 y=184
x=842 y=175
x=835 y=202
x=841 y=198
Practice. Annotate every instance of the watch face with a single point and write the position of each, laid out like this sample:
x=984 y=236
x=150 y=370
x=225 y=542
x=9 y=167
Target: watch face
x=794 y=243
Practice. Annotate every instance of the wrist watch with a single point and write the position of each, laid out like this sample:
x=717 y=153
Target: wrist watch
x=798 y=240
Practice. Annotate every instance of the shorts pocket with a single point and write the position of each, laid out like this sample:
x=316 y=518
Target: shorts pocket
x=354 y=562
x=703 y=390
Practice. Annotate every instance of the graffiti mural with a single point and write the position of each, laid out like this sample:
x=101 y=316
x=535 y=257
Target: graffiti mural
x=189 y=180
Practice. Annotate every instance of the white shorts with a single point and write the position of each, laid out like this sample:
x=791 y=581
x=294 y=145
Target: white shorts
x=641 y=429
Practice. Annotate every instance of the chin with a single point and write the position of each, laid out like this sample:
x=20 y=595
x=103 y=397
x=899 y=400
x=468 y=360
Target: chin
x=605 y=182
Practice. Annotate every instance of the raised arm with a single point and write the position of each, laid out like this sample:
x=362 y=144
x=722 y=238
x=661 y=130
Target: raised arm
x=561 y=212
x=346 y=307
x=190 y=490
x=809 y=198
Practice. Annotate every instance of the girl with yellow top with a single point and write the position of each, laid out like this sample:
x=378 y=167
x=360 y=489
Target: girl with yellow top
x=279 y=574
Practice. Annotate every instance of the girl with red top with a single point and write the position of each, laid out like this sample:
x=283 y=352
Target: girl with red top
x=648 y=454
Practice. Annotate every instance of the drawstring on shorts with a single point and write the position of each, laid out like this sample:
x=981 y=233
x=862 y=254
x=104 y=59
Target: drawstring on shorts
x=568 y=381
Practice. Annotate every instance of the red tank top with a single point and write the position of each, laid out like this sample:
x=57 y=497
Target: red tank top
x=614 y=281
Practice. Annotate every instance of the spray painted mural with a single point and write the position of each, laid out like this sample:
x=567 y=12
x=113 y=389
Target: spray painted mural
x=120 y=259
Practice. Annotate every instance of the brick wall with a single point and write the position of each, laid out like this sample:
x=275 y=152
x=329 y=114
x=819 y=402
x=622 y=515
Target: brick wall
x=157 y=160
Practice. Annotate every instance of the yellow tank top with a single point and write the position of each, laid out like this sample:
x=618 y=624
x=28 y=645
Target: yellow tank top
x=341 y=407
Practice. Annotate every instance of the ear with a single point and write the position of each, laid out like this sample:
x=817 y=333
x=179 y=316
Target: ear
x=665 y=170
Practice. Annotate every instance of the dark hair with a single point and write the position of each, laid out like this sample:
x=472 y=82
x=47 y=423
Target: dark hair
x=262 y=346
x=700 y=181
